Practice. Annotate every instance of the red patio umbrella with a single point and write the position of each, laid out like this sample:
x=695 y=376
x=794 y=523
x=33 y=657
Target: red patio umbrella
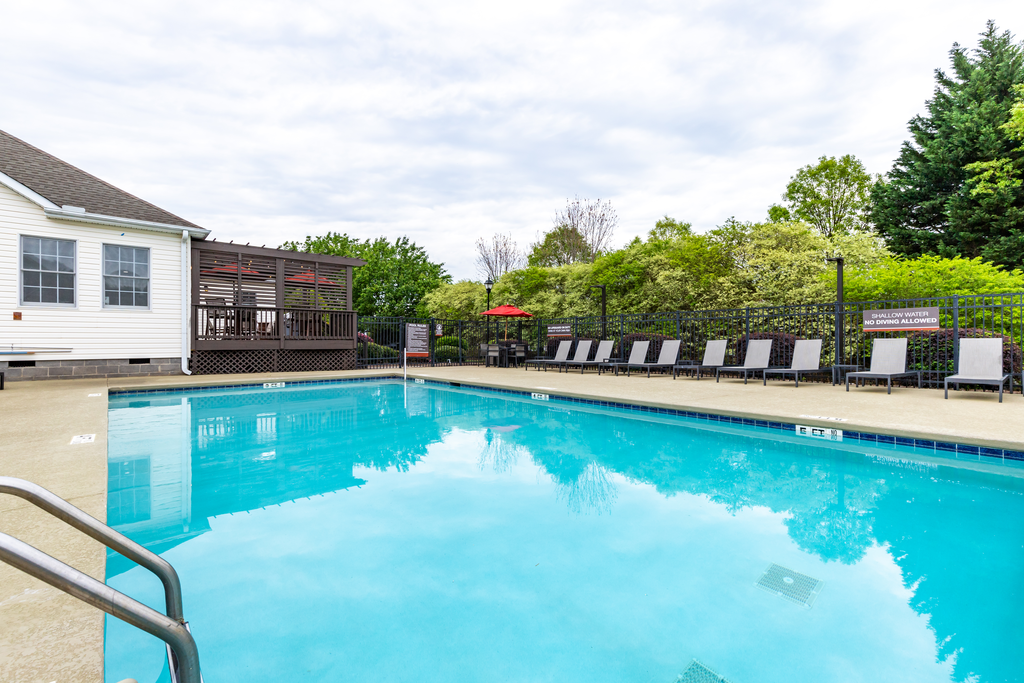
x=507 y=312
x=308 y=278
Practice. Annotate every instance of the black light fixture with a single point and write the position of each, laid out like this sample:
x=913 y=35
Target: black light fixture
x=840 y=342
x=488 y=284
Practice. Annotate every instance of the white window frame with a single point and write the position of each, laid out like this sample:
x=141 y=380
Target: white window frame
x=104 y=276
x=21 y=273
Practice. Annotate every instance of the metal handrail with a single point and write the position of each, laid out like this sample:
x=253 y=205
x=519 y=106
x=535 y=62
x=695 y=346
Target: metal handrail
x=92 y=527
x=170 y=628
x=38 y=564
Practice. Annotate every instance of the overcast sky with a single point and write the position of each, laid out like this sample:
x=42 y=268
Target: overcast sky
x=449 y=121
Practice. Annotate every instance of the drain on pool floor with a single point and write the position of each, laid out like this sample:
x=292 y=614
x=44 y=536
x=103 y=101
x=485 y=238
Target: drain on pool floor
x=698 y=673
x=791 y=585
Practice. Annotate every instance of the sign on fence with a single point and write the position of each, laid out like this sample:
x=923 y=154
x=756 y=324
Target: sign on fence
x=417 y=342
x=926 y=318
x=559 y=330
x=438 y=330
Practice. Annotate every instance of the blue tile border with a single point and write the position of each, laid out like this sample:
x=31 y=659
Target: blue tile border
x=926 y=445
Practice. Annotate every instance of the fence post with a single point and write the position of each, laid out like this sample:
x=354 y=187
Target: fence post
x=401 y=334
x=956 y=334
x=460 y=343
x=748 y=326
x=433 y=341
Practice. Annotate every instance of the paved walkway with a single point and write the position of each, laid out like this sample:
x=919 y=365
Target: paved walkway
x=48 y=636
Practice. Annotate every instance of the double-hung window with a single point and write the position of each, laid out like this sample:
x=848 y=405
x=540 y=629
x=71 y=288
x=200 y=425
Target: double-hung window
x=47 y=271
x=125 y=276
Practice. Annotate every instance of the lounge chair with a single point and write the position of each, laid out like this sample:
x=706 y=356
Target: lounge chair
x=981 y=362
x=714 y=357
x=581 y=355
x=888 y=362
x=637 y=355
x=806 y=360
x=666 y=359
x=756 y=360
x=604 y=352
x=561 y=353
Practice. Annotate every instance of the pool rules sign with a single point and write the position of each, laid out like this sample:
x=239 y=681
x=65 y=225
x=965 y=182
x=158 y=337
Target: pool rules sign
x=902 y=319
x=417 y=340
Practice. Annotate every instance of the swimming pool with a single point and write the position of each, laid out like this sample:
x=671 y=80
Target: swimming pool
x=384 y=531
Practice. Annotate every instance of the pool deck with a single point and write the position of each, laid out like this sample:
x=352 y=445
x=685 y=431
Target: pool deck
x=48 y=636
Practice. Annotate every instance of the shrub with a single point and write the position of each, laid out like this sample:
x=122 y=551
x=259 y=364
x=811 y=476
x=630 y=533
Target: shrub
x=374 y=350
x=451 y=340
x=446 y=353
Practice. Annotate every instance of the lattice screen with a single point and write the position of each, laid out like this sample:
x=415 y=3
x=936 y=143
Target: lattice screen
x=271 y=360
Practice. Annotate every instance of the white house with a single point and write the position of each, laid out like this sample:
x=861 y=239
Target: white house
x=93 y=280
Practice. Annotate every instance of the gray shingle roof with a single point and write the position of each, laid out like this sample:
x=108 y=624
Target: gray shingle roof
x=63 y=184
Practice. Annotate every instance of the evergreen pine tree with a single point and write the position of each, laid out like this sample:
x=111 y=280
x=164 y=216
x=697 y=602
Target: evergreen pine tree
x=955 y=189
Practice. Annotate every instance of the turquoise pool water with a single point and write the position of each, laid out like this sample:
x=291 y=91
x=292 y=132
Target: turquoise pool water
x=379 y=531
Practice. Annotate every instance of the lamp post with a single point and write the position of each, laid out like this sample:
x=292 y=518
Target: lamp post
x=487 y=285
x=604 y=309
x=839 y=307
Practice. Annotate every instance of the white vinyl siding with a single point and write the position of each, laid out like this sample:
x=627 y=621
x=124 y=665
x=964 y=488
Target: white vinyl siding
x=89 y=329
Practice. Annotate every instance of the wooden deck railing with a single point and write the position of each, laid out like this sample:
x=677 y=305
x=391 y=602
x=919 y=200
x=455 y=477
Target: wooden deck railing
x=217 y=327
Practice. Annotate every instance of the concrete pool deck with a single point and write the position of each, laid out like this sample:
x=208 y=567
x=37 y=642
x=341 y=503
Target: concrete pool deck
x=48 y=636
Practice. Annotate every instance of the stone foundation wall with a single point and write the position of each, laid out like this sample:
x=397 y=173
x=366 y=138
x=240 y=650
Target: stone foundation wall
x=74 y=369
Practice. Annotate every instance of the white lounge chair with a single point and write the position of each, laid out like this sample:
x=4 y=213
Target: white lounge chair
x=666 y=358
x=637 y=355
x=561 y=353
x=980 y=362
x=888 y=362
x=756 y=360
x=601 y=356
x=806 y=360
x=714 y=357
x=582 y=353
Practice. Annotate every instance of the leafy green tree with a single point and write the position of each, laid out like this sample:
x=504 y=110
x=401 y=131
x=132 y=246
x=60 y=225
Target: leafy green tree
x=561 y=246
x=833 y=195
x=928 y=276
x=955 y=187
x=396 y=278
x=779 y=214
x=464 y=300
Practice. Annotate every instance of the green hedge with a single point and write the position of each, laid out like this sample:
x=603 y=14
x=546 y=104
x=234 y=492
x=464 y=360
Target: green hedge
x=374 y=350
x=446 y=353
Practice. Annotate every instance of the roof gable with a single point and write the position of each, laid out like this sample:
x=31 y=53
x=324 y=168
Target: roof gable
x=66 y=185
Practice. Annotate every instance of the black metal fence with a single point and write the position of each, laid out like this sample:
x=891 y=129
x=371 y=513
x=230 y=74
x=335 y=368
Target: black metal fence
x=934 y=351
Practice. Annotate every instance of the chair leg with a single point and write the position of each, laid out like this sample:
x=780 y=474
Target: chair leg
x=946 y=384
x=888 y=385
x=796 y=378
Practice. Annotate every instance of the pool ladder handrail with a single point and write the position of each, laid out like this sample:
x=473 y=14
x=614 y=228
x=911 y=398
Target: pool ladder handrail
x=171 y=628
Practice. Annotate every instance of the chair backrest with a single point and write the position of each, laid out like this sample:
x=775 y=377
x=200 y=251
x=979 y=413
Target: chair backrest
x=493 y=351
x=714 y=352
x=604 y=351
x=638 y=354
x=806 y=355
x=889 y=356
x=520 y=350
x=669 y=352
x=582 y=350
x=562 y=353
x=758 y=353
x=981 y=358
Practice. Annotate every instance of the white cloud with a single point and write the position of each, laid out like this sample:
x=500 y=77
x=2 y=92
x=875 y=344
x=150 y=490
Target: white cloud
x=447 y=122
